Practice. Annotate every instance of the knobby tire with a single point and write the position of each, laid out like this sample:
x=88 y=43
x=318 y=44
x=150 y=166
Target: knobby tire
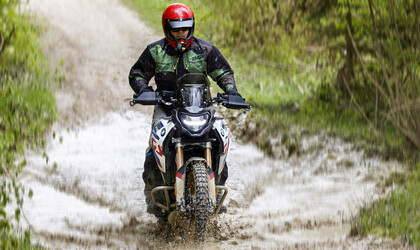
x=198 y=184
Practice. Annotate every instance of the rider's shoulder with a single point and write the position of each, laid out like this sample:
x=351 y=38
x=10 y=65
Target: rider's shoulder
x=202 y=42
x=160 y=43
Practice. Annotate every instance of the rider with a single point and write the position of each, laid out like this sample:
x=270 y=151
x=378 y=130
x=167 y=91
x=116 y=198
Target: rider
x=180 y=52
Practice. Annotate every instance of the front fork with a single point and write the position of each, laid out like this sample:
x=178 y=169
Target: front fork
x=210 y=176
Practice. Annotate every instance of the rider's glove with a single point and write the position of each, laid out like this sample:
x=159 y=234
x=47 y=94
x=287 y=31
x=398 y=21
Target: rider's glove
x=233 y=92
x=145 y=89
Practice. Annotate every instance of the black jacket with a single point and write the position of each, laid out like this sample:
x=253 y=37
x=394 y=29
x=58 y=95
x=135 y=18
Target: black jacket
x=162 y=61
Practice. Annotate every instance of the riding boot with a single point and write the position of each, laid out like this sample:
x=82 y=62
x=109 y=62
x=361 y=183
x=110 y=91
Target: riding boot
x=150 y=178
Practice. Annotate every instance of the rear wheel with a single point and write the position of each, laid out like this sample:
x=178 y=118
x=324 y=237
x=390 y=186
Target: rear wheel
x=198 y=198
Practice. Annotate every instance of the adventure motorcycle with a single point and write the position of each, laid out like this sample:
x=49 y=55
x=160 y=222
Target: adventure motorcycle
x=190 y=148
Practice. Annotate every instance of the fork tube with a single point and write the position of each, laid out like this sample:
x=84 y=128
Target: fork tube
x=179 y=184
x=211 y=181
x=179 y=155
x=207 y=154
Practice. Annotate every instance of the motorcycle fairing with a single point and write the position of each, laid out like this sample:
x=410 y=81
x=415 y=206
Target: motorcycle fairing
x=159 y=133
x=224 y=133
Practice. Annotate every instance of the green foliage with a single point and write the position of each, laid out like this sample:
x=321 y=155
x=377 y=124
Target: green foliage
x=7 y=22
x=9 y=241
x=389 y=71
x=396 y=216
x=27 y=108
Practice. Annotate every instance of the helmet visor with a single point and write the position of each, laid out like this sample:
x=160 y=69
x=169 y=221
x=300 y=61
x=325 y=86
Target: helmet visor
x=181 y=24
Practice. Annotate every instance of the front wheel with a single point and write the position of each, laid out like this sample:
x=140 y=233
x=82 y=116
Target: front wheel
x=198 y=198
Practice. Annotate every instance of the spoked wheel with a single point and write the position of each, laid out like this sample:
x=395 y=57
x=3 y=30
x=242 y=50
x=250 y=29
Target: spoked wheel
x=198 y=197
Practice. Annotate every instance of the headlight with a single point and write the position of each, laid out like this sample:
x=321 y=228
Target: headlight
x=194 y=123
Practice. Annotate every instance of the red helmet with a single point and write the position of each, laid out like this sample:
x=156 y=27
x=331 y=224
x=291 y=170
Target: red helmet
x=178 y=15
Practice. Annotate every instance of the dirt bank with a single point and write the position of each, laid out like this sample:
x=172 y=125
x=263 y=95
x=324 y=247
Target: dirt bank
x=92 y=44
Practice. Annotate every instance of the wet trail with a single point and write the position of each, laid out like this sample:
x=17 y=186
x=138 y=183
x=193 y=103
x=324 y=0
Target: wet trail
x=88 y=187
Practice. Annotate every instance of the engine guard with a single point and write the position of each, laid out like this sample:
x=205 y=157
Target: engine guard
x=166 y=190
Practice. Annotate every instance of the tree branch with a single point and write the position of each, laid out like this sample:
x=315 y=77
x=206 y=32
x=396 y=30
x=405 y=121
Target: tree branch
x=359 y=108
x=5 y=41
x=369 y=76
x=381 y=60
x=1 y=42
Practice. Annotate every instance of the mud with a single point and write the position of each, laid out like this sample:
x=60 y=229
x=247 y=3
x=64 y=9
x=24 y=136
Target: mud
x=88 y=187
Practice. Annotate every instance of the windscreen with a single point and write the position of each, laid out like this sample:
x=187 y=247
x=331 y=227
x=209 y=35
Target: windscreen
x=194 y=92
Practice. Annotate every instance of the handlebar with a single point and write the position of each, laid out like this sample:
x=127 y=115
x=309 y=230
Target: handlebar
x=166 y=98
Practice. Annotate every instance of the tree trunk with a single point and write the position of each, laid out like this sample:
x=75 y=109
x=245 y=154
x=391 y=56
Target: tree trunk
x=346 y=73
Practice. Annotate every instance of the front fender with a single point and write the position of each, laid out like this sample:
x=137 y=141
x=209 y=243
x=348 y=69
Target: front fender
x=180 y=182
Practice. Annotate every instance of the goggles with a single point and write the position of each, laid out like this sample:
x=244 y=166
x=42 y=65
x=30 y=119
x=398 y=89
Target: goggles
x=180 y=29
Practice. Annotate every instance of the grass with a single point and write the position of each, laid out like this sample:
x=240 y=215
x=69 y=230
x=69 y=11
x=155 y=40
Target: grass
x=396 y=216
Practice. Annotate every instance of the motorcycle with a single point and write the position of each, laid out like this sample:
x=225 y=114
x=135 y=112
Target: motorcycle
x=190 y=148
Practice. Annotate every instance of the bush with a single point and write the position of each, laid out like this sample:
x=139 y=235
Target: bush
x=27 y=109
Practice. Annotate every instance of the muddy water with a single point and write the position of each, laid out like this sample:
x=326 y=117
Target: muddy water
x=89 y=192
x=91 y=183
x=88 y=188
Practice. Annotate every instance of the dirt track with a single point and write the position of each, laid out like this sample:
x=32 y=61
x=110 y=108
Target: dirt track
x=88 y=193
